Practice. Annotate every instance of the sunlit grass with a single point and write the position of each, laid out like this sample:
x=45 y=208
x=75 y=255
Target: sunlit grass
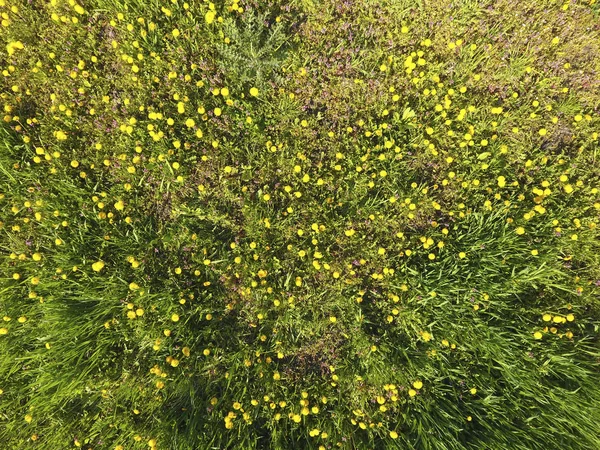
x=299 y=225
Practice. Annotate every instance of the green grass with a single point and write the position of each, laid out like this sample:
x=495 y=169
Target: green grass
x=394 y=244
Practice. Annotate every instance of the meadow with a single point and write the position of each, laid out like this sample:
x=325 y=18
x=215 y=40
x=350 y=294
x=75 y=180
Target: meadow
x=300 y=224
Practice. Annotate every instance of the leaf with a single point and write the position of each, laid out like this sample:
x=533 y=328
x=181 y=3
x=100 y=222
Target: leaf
x=408 y=114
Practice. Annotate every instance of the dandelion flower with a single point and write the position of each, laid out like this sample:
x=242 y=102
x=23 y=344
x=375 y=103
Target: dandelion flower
x=11 y=46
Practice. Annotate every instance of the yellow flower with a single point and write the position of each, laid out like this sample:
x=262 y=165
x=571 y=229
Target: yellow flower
x=393 y=435
x=501 y=181
x=412 y=392
x=209 y=17
x=254 y=92
x=28 y=418
x=473 y=391
x=11 y=46
x=520 y=230
x=537 y=335
x=98 y=266
x=36 y=257
x=418 y=384
x=175 y=33
x=175 y=318
x=3 y=331
x=119 y=205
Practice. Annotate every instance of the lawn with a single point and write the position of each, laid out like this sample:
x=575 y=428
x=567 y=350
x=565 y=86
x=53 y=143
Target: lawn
x=300 y=224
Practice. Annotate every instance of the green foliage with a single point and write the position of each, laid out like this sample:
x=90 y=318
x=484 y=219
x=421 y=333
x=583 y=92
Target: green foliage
x=299 y=224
